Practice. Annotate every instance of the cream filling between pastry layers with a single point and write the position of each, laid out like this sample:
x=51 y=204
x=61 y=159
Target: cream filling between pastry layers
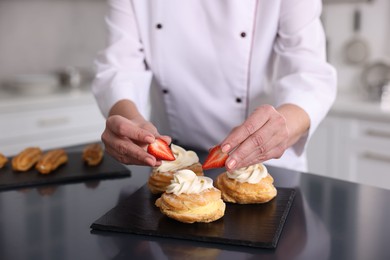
x=252 y=174
x=183 y=159
x=186 y=181
x=206 y=209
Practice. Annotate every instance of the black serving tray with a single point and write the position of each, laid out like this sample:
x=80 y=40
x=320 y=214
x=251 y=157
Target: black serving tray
x=75 y=170
x=254 y=225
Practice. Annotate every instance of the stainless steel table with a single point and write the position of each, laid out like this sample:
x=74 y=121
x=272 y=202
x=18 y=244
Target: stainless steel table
x=329 y=219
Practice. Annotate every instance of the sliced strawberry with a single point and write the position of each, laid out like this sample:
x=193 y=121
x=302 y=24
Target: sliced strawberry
x=215 y=159
x=161 y=150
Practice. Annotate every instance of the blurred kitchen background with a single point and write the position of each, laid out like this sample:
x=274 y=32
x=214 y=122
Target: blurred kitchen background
x=41 y=36
x=47 y=49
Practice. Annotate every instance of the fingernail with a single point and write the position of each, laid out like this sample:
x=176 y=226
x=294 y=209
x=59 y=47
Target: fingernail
x=231 y=163
x=226 y=148
x=149 y=139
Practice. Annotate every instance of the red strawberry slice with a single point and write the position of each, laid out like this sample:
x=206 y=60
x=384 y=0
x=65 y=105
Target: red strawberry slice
x=215 y=159
x=161 y=150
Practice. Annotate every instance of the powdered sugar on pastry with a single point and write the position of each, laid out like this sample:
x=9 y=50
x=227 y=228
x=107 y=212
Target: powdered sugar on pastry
x=183 y=159
x=251 y=174
x=186 y=181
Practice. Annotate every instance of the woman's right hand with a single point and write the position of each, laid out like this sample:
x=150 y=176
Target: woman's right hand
x=127 y=140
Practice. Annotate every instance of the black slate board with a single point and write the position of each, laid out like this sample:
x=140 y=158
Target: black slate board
x=73 y=171
x=255 y=225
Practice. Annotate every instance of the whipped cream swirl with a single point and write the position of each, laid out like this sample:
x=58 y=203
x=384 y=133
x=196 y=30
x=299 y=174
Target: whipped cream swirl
x=251 y=174
x=186 y=181
x=183 y=159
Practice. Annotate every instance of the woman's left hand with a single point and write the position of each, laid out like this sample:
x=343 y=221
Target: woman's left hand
x=264 y=135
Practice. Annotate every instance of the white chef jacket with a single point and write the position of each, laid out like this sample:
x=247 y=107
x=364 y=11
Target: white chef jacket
x=208 y=63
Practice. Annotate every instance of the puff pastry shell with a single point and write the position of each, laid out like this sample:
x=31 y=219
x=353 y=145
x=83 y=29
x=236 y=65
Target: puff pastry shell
x=206 y=206
x=158 y=181
x=246 y=193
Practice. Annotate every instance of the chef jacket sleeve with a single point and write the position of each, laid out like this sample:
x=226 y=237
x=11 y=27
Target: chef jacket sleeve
x=303 y=77
x=120 y=68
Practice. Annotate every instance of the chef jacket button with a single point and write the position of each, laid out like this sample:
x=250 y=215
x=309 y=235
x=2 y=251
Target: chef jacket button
x=159 y=26
x=165 y=91
x=238 y=100
x=243 y=34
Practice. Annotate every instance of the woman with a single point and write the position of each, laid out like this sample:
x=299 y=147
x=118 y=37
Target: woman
x=249 y=75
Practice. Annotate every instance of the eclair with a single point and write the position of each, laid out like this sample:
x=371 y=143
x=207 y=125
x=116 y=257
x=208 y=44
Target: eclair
x=93 y=154
x=51 y=160
x=3 y=160
x=26 y=159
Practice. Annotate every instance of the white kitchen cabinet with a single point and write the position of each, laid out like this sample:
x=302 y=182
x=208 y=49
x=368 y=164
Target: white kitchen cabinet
x=369 y=159
x=52 y=122
x=352 y=149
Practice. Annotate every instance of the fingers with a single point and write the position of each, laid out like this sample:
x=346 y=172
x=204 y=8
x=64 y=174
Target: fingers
x=239 y=134
x=264 y=139
x=126 y=128
x=166 y=138
x=127 y=141
x=128 y=153
x=242 y=159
